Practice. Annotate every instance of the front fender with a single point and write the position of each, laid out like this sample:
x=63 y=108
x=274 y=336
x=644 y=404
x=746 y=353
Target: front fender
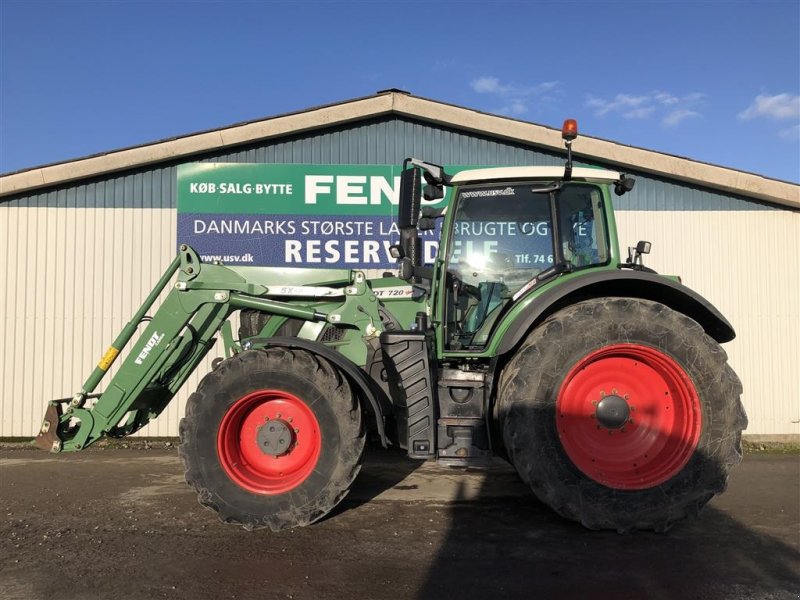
x=632 y=284
x=362 y=384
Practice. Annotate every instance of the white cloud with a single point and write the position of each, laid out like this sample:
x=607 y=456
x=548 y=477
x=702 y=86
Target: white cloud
x=622 y=103
x=694 y=97
x=670 y=108
x=781 y=106
x=489 y=85
x=515 y=108
x=792 y=133
x=517 y=99
x=639 y=113
x=676 y=116
x=665 y=99
x=545 y=86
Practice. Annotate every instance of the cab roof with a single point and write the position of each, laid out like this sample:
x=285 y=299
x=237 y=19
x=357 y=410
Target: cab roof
x=524 y=173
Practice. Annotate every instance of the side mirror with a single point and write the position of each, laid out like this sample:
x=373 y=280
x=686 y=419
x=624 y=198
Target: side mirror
x=433 y=192
x=410 y=198
x=635 y=254
x=405 y=269
x=427 y=224
x=429 y=216
x=624 y=185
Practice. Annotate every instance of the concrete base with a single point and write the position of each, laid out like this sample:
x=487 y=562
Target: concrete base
x=775 y=438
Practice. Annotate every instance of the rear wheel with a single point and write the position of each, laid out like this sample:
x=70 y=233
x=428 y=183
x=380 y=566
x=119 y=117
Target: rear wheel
x=272 y=438
x=622 y=414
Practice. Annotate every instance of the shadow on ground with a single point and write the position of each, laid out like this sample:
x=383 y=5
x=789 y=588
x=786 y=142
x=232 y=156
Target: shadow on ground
x=383 y=469
x=519 y=548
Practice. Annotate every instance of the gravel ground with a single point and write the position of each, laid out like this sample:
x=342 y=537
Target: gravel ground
x=121 y=523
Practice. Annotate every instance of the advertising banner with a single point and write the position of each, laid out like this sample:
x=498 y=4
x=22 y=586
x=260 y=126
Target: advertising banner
x=337 y=216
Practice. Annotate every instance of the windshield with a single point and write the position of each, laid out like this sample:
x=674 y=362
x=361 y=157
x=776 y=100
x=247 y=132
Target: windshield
x=503 y=236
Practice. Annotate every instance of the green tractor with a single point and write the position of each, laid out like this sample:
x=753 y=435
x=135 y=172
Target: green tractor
x=530 y=337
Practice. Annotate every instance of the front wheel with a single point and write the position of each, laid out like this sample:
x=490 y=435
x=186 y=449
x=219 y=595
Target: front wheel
x=272 y=438
x=622 y=414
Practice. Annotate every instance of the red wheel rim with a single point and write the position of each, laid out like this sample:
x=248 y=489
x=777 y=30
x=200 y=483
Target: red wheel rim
x=659 y=433
x=241 y=442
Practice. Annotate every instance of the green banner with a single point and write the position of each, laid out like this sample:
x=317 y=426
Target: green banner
x=293 y=215
x=293 y=189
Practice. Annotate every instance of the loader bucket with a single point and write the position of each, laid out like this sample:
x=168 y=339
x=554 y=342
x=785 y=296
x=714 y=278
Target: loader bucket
x=47 y=439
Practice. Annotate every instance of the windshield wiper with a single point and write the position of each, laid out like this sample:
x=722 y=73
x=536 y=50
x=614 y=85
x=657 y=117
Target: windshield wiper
x=548 y=189
x=557 y=269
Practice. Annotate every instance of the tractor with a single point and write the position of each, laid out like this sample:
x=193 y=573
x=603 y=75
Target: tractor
x=529 y=337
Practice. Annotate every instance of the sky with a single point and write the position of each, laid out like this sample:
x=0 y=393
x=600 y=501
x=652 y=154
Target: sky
x=714 y=81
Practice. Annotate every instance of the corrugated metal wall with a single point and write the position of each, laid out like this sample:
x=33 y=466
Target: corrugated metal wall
x=744 y=264
x=79 y=259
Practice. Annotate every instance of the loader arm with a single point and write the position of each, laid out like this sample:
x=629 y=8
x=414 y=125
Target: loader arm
x=175 y=340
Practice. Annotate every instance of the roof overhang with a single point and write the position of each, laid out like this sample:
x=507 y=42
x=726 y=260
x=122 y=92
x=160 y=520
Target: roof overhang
x=525 y=173
x=401 y=103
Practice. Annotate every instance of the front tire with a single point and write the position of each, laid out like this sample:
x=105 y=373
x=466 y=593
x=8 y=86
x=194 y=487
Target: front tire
x=622 y=414
x=272 y=438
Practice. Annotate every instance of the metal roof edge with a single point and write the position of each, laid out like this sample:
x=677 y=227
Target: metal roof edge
x=195 y=143
x=398 y=102
x=673 y=167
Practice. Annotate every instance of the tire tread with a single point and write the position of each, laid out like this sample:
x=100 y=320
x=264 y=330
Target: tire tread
x=248 y=364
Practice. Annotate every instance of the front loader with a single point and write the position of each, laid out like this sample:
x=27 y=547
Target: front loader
x=530 y=338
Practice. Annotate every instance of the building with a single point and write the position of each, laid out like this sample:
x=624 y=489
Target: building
x=85 y=240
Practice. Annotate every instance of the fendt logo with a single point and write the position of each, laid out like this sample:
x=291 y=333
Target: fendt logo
x=154 y=341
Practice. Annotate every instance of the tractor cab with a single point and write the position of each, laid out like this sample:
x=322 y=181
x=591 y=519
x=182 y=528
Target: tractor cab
x=506 y=230
x=511 y=229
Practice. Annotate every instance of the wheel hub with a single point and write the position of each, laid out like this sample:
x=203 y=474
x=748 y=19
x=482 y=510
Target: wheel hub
x=274 y=437
x=628 y=446
x=612 y=412
x=269 y=441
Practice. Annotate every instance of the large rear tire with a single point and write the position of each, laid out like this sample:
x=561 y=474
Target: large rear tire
x=622 y=414
x=272 y=438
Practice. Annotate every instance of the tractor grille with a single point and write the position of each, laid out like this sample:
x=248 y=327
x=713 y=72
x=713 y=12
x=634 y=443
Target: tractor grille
x=332 y=333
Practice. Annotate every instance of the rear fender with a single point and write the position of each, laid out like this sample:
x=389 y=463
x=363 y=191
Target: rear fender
x=631 y=284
